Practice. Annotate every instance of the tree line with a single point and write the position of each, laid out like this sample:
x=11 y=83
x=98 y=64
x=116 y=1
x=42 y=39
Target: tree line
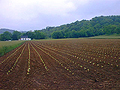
x=102 y=25
x=16 y=35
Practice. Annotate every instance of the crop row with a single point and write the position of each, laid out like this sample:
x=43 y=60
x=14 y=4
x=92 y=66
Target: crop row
x=102 y=59
x=40 y=58
x=16 y=61
x=28 y=70
x=54 y=59
x=98 y=62
x=74 y=63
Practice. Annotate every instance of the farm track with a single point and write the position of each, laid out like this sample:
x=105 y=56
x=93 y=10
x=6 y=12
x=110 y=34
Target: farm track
x=65 y=64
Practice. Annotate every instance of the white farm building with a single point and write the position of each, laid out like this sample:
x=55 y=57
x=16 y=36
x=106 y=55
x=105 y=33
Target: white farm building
x=24 y=38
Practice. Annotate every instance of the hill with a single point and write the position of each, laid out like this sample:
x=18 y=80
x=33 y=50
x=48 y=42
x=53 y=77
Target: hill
x=3 y=30
x=102 y=25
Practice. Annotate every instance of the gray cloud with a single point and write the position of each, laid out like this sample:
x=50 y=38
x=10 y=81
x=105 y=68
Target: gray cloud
x=38 y=14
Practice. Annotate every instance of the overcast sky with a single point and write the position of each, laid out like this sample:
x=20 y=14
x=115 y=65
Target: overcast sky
x=27 y=15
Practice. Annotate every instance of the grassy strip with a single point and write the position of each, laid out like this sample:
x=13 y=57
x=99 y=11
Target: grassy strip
x=114 y=36
x=6 y=47
x=59 y=39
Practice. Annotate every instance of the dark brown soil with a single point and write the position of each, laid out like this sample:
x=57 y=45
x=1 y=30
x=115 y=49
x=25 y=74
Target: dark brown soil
x=84 y=64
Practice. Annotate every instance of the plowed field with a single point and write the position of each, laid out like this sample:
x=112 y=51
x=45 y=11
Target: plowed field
x=86 y=64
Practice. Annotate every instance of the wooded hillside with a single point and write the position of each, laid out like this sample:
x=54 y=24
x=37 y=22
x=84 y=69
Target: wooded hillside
x=86 y=28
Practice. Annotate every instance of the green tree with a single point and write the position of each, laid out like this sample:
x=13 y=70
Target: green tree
x=39 y=35
x=83 y=33
x=110 y=29
x=118 y=30
x=68 y=34
x=31 y=34
x=74 y=34
x=57 y=35
x=6 y=36
x=16 y=35
x=90 y=32
x=0 y=37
